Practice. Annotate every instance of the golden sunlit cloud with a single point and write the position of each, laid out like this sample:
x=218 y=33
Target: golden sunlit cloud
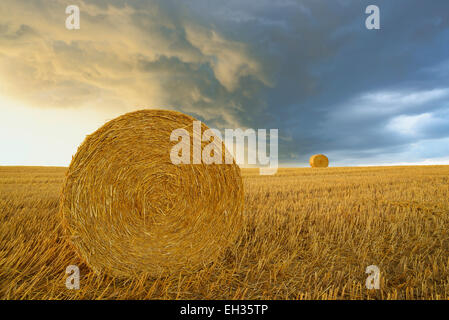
x=120 y=58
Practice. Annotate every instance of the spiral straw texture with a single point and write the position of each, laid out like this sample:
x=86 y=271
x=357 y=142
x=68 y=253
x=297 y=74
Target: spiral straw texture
x=127 y=210
x=319 y=161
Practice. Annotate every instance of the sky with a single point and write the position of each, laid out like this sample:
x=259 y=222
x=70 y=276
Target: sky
x=309 y=68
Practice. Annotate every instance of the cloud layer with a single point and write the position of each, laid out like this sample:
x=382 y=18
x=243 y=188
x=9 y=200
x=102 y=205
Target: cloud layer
x=309 y=68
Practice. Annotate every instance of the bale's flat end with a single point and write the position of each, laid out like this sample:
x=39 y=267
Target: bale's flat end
x=319 y=161
x=128 y=210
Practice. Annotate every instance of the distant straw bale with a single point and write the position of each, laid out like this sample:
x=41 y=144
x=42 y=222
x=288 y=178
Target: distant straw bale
x=319 y=161
x=128 y=210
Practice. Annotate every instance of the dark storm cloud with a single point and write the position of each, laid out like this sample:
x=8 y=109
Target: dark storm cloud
x=340 y=87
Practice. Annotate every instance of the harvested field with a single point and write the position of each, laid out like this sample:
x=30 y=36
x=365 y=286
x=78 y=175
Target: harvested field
x=307 y=234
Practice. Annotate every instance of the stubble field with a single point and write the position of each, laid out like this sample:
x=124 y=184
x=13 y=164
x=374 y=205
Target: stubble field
x=307 y=234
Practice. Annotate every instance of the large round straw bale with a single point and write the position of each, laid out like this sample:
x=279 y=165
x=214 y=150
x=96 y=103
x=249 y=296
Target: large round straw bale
x=128 y=210
x=319 y=161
